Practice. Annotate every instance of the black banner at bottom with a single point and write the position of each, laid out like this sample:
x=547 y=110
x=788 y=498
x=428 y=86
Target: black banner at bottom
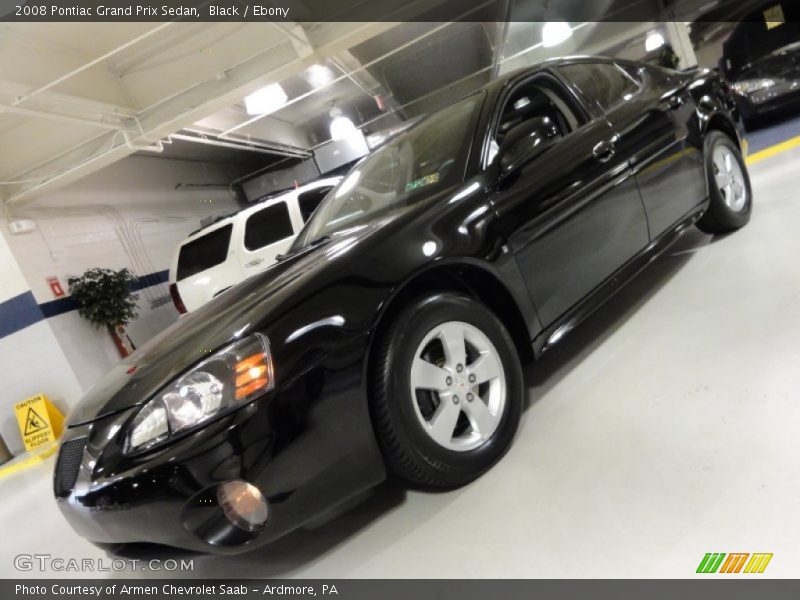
x=397 y=589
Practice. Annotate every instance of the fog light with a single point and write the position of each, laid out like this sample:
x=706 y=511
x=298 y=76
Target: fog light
x=243 y=504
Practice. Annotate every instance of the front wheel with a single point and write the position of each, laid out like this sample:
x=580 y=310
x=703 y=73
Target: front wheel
x=730 y=195
x=447 y=391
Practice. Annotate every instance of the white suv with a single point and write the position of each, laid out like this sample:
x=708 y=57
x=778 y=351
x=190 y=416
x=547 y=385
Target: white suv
x=218 y=256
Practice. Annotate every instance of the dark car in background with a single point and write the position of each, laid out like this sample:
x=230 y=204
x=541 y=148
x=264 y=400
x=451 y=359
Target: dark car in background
x=389 y=339
x=761 y=60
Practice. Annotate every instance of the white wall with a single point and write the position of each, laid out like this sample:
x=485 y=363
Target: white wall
x=126 y=215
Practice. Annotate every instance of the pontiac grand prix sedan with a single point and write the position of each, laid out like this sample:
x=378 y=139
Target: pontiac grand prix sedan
x=388 y=340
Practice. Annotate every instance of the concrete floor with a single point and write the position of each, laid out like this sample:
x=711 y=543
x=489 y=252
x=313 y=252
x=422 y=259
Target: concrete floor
x=663 y=428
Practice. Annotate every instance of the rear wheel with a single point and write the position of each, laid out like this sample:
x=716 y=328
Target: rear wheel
x=447 y=391
x=730 y=195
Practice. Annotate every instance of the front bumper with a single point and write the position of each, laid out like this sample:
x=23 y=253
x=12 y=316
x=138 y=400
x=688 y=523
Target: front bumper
x=308 y=446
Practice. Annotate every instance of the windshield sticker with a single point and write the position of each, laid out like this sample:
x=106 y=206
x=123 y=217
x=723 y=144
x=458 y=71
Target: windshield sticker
x=422 y=182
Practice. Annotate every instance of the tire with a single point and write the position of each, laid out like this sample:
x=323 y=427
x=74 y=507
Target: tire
x=468 y=437
x=729 y=206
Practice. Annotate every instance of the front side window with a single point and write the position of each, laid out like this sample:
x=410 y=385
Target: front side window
x=267 y=226
x=425 y=159
x=539 y=101
x=604 y=83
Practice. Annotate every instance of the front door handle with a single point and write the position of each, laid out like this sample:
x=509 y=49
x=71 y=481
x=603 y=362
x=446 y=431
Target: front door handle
x=254 y=262
x=604 y=151
x=674 y=101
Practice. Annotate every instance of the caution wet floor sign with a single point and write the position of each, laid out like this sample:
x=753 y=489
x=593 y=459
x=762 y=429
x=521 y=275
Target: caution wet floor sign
x=39 y=421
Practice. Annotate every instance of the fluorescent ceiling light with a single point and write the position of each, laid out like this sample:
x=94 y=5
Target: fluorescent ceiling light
x=266 y=100
x=555 y=32
x=342 y=128
x=654 y=41
x=319 y=75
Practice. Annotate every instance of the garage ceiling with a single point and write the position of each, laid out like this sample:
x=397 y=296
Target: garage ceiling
x=75 y=97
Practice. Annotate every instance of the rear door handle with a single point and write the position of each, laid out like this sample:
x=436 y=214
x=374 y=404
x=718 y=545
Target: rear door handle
x=604 y=151
x=254 y=262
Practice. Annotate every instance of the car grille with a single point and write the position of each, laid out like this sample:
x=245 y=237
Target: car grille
x=67 y=466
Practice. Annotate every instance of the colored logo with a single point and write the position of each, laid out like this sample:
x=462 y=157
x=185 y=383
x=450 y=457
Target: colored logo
x=735 y=562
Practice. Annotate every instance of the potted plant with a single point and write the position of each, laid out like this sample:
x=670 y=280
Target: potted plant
x=104 y=299
x=667 y=57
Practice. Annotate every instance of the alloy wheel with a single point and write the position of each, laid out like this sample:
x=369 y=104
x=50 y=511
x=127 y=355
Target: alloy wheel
x=729 y=178
x=458 y=386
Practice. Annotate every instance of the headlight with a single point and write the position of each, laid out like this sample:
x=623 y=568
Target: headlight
x=232 y=376
x=748 y=86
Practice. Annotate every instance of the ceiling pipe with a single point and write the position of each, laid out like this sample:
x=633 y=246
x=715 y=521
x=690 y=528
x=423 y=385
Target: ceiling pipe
x=246 y=144
x=350 y=76
x=157 y=148
x=250 y=147
x=34 y=112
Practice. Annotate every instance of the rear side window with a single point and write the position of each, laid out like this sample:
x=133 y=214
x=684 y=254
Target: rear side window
x=604 y=82
x=309 y=201
x=203 y=253
x=267 y=226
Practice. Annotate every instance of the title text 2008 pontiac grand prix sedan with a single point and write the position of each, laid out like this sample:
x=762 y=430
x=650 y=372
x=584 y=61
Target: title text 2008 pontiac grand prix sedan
x=389 y=339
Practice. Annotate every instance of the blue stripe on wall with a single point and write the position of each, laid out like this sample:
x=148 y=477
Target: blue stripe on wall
x=151 y=279
x=21 y=311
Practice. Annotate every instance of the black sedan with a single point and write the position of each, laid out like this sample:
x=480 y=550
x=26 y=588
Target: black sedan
x=761 y=59
x=389 y=339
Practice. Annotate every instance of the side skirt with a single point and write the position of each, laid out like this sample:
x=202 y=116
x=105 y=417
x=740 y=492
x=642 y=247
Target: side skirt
x=569 y=320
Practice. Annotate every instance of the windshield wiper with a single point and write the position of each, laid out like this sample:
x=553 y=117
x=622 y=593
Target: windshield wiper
x=303 y=249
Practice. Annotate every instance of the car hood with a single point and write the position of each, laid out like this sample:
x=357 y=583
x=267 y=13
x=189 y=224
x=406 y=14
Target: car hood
x=245 y=308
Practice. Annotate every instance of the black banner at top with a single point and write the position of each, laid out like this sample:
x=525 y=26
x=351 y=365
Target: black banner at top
x=386 y=10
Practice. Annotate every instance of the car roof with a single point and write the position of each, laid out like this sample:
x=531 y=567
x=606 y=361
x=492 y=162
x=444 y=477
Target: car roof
x=551 y=62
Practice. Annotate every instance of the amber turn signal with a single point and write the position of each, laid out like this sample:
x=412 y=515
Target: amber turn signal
x=253 y=374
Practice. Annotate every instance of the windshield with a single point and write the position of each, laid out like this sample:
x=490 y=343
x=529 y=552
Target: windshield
x=422 y=160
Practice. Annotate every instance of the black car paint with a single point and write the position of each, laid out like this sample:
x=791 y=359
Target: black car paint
x=517 y=242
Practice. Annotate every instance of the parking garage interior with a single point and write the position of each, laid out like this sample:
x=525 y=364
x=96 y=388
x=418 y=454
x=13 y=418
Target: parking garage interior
x=668 y=415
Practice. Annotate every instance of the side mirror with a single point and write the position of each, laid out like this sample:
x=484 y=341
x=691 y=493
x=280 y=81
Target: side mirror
x=525 y=142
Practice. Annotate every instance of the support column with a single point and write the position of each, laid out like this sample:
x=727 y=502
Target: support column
x=678 y=38
x=31 y=359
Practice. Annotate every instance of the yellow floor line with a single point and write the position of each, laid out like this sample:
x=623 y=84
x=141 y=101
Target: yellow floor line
x=26 y=461
x=773 y=150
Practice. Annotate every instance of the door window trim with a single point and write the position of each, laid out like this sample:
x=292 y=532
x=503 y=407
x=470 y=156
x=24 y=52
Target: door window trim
x=573 y=101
